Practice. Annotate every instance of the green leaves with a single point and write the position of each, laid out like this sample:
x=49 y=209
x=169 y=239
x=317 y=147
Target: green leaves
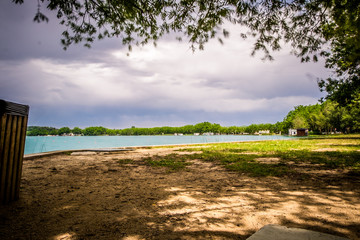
x=327 y=117
x=343 y=34
x=305 y=24
x=140 y=22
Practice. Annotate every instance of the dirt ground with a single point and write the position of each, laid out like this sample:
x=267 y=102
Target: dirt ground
x=90 y=195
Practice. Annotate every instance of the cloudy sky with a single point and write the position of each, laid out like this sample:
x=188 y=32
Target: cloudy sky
x=167 y=85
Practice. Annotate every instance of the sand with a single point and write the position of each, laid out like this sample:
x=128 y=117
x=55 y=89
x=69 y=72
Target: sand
x=97 y=195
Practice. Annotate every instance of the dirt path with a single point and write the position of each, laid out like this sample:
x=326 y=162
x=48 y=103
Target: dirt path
x=100 y=196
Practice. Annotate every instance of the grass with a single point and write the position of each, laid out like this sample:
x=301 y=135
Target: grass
x=172 y=162
x=272 y=158
x=325 y=153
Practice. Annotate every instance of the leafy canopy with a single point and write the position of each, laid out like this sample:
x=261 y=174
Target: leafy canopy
x=310 y=26
x=299 y=22
x=343 y=33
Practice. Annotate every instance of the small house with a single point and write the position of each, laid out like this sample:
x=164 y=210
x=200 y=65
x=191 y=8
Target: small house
x=300 y=132
x=264 y=132
x=292 y=132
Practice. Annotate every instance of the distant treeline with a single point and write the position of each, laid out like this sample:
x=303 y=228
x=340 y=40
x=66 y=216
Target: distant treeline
x=319 y=118
x=201 y=128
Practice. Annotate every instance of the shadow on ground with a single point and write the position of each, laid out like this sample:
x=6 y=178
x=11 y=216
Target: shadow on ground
x=100 y=197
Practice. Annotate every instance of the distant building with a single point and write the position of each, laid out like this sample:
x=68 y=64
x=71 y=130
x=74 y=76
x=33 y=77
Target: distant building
x=292 y=132
x=300 y=132
x=208 y=134
x=264 y=132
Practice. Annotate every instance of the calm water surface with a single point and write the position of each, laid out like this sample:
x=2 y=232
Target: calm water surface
x=50 y=143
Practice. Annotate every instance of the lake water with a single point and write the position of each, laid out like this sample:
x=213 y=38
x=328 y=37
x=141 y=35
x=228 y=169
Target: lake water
x=51 y=143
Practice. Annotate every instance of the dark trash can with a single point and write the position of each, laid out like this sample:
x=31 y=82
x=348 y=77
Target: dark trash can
x=13 y=124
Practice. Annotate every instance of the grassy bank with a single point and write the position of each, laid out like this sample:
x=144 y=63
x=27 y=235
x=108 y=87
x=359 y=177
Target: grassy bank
x=277 y=158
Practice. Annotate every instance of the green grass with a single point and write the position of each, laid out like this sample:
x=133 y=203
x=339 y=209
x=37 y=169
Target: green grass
x=272 y=158
x=333 y=152
x=172 y=162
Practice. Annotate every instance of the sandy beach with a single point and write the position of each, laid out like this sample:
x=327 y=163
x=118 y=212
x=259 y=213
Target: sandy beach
x=99 y=195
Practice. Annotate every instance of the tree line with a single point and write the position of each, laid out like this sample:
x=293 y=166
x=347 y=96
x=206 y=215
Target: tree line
x=200 y=128
x=320 y=118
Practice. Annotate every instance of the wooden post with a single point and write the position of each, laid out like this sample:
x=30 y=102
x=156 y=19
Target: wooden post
x=13 y=124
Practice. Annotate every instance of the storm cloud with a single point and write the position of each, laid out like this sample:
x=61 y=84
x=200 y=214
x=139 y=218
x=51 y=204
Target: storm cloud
x=153 y=86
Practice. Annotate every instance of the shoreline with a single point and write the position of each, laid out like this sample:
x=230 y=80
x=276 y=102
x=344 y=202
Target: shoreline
x=131 y=148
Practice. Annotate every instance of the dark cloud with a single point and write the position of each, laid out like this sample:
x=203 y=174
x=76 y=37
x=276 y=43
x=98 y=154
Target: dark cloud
x=22 y=38
x=167 y=85
x=112 y=117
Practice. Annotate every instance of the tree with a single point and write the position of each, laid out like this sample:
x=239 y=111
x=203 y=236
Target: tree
x=325 y=117
x=299 y=122
x=354 y=113
x=188 y=129
x=203 y=127
x=64 y=130
x=313 y=118
x=343 y=33
x=253 y=128
x=296 y=118
x=215 y=128
x=111 y=132
x=54 y=132
x=76 y=130
x=94 y=131
x=277 y=127
x=40 y=131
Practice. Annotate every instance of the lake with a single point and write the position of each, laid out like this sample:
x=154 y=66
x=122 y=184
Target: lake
x=52 y=143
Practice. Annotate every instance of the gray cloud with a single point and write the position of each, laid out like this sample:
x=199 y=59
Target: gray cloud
x=25 y=39
x=167 y=85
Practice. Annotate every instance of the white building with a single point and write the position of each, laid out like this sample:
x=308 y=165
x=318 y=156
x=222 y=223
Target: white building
x=264 y=132
x=292 y=132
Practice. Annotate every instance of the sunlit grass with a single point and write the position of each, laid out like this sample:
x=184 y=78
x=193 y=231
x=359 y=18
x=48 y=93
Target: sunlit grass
x=332 y=152
x=272 y=158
